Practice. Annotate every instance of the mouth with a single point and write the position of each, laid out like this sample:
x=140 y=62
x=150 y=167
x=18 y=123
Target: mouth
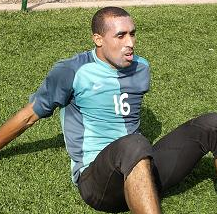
x=129 y=56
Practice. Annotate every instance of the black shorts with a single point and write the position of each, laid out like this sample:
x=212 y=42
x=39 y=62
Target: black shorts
x=101 y=185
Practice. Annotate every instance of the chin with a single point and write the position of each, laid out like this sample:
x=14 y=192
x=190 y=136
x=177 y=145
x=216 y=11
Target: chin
x=127 y=64
x=123 y=65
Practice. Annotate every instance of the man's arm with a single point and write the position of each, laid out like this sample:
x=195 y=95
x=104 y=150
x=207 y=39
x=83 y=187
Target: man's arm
x=16 y=125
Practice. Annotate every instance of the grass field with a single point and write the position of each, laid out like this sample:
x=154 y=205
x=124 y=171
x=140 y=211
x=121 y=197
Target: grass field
x=181 y=44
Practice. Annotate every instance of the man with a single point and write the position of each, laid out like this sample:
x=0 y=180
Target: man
x=100 y=93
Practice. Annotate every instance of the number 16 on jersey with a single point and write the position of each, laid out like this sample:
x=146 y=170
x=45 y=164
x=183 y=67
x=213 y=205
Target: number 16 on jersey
x=121 y=106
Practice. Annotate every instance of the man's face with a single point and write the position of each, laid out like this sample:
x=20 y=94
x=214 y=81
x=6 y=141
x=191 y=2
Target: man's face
x=116 y=45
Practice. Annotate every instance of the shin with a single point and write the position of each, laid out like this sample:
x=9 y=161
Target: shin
x=140 y=193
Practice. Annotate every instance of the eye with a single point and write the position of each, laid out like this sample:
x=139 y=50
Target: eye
x=120 y=36
x=132 y=34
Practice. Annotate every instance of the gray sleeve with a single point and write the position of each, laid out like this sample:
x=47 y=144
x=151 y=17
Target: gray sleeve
x=55 y=91
x=148 y=77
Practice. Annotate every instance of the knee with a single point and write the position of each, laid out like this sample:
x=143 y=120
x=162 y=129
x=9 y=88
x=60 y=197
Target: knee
x=208 y=121
x=132 y=149
x=134 y=144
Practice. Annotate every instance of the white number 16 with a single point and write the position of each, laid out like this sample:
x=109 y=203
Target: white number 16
x=121 y=106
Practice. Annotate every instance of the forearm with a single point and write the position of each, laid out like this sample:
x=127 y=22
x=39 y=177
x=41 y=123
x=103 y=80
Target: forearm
x=8 y=132
x=17 y=125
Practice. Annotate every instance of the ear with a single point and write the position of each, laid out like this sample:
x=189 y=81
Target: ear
x=97 y=39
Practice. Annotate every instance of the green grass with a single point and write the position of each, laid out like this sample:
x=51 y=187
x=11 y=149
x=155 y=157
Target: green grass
x=181 y=44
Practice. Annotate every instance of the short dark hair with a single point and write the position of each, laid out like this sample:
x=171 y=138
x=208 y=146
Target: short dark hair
x=98 y=21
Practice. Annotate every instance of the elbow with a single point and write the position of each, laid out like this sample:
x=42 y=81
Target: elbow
x=28 y=117
x=30 y=121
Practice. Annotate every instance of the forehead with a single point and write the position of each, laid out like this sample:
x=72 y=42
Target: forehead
x=116 y=24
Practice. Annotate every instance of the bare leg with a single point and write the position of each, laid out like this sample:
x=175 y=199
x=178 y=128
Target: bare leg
x=140 y=193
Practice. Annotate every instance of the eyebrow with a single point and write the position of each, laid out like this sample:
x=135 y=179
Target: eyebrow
x=124 y=32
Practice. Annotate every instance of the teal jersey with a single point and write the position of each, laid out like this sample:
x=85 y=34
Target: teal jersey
x=98 y=103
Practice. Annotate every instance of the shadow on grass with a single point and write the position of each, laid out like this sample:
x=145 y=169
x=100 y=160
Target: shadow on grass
x=55 y=142
x=151 y=129
x=150 y=126
x=204 y=170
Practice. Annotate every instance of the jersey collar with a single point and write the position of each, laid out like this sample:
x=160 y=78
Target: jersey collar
x=99 y=61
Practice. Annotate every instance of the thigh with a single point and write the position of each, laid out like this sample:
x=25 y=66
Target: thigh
x=176 y=154
x=102 y=184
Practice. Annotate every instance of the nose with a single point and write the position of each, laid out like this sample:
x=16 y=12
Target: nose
x=130 y=41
